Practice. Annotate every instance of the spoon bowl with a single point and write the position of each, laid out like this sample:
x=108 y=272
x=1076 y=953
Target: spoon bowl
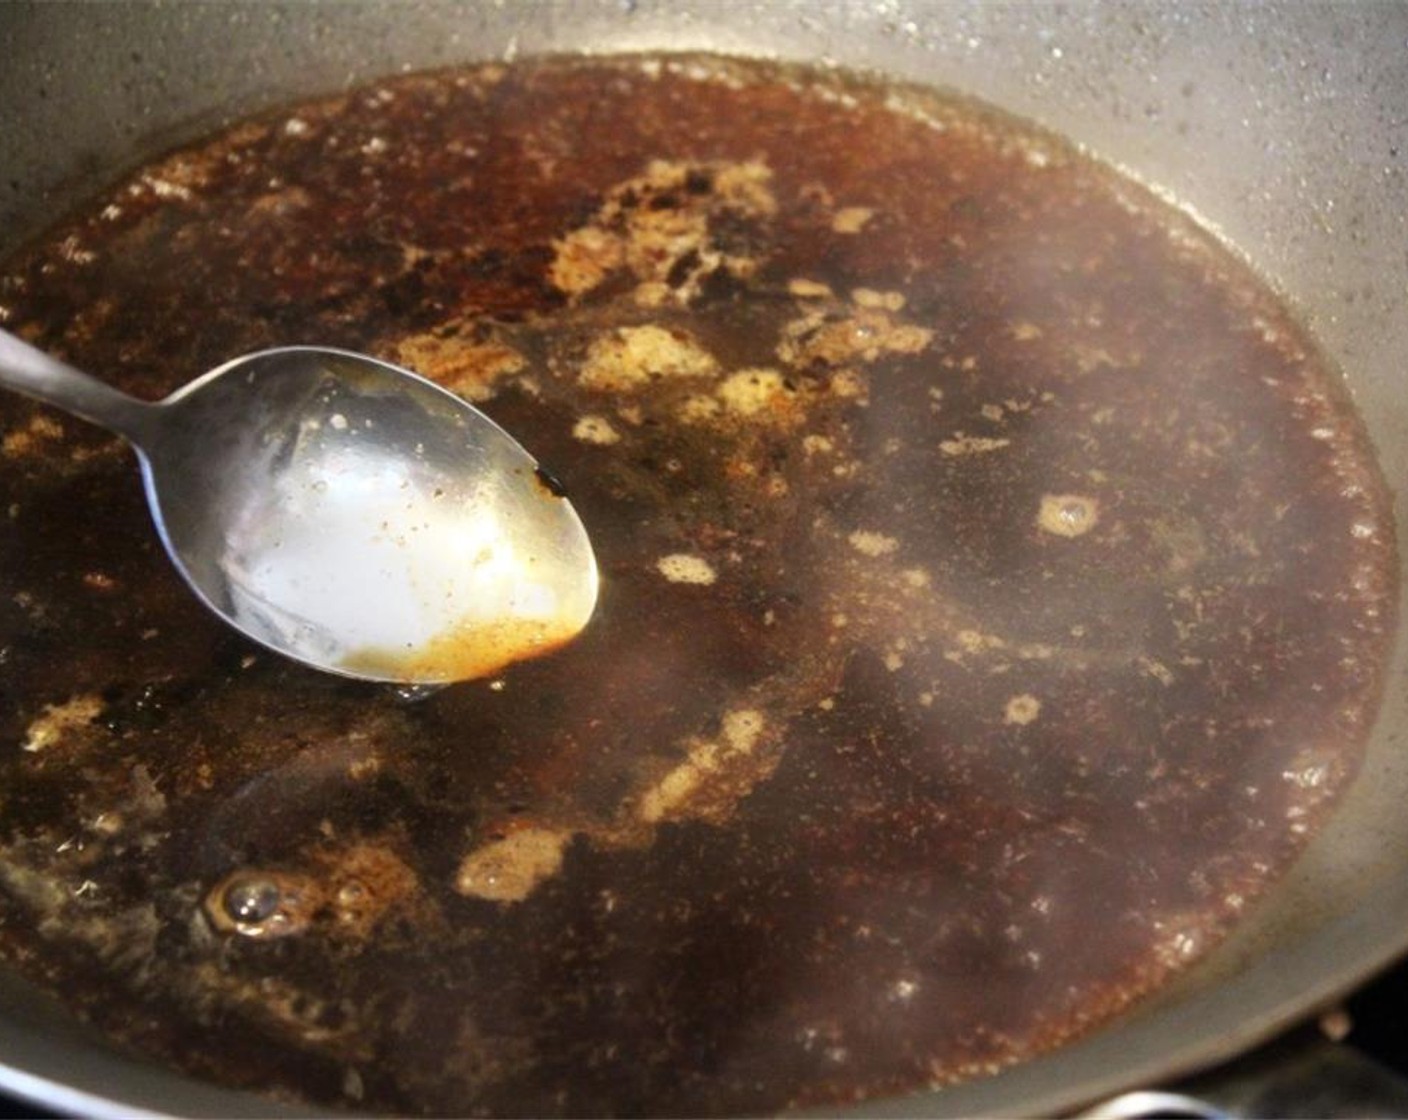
x=347 y=513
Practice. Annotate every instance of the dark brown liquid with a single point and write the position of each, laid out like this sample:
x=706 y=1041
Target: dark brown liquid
x=996 y=591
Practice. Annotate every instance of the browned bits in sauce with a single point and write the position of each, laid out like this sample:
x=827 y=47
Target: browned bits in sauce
x=996 y=588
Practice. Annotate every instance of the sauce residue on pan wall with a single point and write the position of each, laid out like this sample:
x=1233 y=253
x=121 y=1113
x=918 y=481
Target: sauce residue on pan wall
x=996 y=587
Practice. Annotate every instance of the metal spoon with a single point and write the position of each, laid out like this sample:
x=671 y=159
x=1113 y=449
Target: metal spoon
x=347 y=513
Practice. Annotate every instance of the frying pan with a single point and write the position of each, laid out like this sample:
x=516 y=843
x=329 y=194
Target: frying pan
x=1283 y=127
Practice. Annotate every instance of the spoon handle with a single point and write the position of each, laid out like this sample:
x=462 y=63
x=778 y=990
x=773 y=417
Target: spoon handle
x=35 y=374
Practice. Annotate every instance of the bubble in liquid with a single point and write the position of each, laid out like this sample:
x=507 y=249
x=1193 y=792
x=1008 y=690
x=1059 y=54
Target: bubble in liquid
x=250 y=901
x=351 y=893
x=1067 y=515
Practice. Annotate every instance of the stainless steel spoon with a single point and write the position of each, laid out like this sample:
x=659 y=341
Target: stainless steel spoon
x=347 y=513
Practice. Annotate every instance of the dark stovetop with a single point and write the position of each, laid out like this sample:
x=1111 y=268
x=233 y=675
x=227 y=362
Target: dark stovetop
x=1379 y=1014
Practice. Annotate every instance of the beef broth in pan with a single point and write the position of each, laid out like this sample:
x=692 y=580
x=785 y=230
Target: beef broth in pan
x=996 y=592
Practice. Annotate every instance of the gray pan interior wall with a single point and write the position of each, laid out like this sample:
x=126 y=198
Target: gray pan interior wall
x=1282 y=126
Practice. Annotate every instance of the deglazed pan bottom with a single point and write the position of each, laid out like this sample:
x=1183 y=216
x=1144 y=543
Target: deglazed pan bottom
x=997 y=590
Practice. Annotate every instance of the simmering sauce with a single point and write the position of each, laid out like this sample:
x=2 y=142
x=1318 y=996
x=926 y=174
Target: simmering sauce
x=995 y=592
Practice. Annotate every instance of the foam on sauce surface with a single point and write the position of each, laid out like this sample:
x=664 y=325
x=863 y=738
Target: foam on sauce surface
x=987 y=560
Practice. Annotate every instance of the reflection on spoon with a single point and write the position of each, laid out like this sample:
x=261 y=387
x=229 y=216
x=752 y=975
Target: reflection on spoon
x=347 y=513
